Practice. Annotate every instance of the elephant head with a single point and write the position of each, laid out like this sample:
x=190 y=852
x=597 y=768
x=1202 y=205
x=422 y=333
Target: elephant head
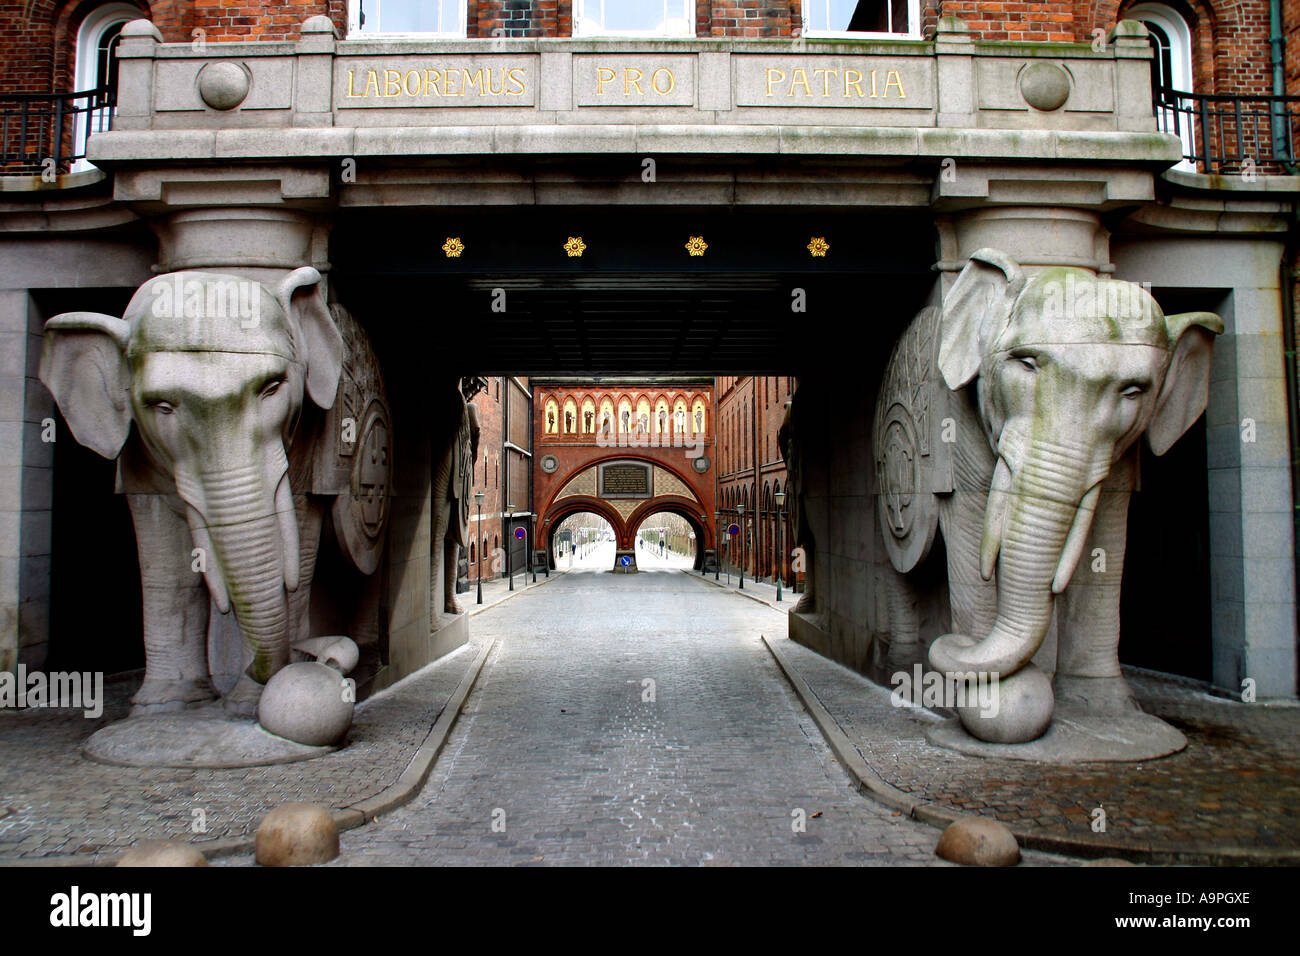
x=212 y=369
x=1069 y=370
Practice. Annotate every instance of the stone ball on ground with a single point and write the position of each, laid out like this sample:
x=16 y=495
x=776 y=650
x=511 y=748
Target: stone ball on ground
x=978 y=841
x=163 y=853
x=1018 y=709
x=296 y=834
x=307 y=702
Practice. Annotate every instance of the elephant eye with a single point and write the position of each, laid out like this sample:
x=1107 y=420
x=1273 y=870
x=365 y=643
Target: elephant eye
x=1026 y=360
x=1133 y=390
x=271 y=387
x=161 y=407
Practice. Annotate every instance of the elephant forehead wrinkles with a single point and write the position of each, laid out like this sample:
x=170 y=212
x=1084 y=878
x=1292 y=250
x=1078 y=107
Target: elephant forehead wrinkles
x=229 y=334
x=207 y=376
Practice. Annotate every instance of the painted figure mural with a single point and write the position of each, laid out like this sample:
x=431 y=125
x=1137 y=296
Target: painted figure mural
x=1009 y=422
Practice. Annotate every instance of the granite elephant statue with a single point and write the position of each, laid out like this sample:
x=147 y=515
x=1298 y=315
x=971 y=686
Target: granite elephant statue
x=1008 y=421
x=238 y=412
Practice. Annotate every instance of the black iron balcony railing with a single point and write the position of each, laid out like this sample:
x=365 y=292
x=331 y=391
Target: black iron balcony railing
x=46 y=133
x=1226 y=133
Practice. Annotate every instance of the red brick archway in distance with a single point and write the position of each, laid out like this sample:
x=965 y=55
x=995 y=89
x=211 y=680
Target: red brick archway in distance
x=698 y=513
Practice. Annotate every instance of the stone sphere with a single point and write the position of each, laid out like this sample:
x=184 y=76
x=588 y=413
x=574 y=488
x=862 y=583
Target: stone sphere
x=163 y=853
x=307 y=703
x=1023 y=711
x=296 y=834
x=978 y=841
x=1045 y=86
x=223 y=85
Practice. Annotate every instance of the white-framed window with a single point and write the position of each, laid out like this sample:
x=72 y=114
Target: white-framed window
x=634 y=18
x=96 y=64
x=426 y=18
x=1171 y=67
x=856 y=18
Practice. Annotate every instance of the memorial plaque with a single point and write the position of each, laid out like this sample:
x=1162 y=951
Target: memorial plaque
x=625 y=479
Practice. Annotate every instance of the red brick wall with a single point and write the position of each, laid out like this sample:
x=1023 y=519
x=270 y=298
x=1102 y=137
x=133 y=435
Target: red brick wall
x=520 y=18
x=579 y=451
x=747 y=18
x=750 y=413
x=1041 y=22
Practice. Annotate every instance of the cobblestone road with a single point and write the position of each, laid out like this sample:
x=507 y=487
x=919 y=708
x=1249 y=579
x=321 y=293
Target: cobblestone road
x=636 y=719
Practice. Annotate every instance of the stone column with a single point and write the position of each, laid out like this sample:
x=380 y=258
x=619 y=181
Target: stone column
x=1251 y=516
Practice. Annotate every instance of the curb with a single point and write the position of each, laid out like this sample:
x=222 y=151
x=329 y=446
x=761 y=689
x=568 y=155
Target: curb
x=873 y=785
x=730 y=590
x=480 y=608
x=401 y=791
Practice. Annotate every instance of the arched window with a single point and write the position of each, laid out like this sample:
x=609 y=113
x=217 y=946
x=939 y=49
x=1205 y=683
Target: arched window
x=552 y=420
x=96 y=64
x=472 y=554
x=1171 y=66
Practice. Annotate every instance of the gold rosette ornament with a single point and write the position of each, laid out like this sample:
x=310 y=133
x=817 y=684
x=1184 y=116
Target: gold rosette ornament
x=575 y=246
x=696 y=246
x=453 y=247
x=819 y=246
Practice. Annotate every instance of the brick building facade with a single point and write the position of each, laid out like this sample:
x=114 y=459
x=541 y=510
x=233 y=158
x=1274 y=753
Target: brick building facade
x=667 y=425
x=1229 y=41
x=752 y=471
x=503 y=475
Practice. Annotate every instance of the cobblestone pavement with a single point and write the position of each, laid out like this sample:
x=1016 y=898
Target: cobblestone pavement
x=560 y=745
x=1236 y=785
x=54 y=802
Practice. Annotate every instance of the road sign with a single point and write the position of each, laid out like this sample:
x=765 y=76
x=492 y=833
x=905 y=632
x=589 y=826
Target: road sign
x=626 y=561
x=733 y=529
x=520 y=533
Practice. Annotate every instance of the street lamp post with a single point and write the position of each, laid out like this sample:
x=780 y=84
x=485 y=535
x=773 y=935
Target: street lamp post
x=740 y=510
x=532 y=550
x=478 y=566
x=717 y=547
x=510 y=548
x=780 y=552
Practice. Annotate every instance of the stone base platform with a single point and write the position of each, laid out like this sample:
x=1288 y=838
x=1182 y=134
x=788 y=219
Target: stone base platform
x=205 y=737
x=1075 y=736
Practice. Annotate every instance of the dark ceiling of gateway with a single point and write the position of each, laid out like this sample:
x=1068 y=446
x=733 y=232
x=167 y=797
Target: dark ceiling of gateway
x=636 y=302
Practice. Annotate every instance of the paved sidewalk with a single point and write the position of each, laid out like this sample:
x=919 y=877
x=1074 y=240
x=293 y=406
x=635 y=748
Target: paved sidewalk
x=56 y=805
x=1233 y=796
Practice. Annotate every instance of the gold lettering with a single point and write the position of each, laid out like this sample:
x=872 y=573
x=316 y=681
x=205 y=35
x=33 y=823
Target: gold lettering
x=896 y=81
x=490 y=90
x=351 y=92
x=631 y=78
x=856 y=84
x=826 y=80
x=602 y=79
x=672 y=81
x=515 y=79
x=432 y=81
x=796 y=79
x=873 y=84
x=392 y=83
x=476 y=82
x=406 y=83
x=372 y=79
x=446 y=83
x=774 y=76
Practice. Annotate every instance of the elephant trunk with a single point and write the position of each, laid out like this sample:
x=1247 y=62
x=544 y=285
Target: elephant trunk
x=1036 y=525
x=252 y=531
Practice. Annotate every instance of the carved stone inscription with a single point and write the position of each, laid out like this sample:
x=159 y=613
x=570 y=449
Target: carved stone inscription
x=625 y=479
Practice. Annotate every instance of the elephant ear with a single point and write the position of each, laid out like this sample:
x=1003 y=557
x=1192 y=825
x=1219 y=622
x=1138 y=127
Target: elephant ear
x=975 y=312
x=83 y=363
x=1186 y=388
x=318 y=339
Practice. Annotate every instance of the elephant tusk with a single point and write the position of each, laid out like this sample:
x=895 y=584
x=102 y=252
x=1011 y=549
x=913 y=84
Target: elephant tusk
x=211 y=573
x=995 y=518
x=1076 y=539
x=287 y=516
